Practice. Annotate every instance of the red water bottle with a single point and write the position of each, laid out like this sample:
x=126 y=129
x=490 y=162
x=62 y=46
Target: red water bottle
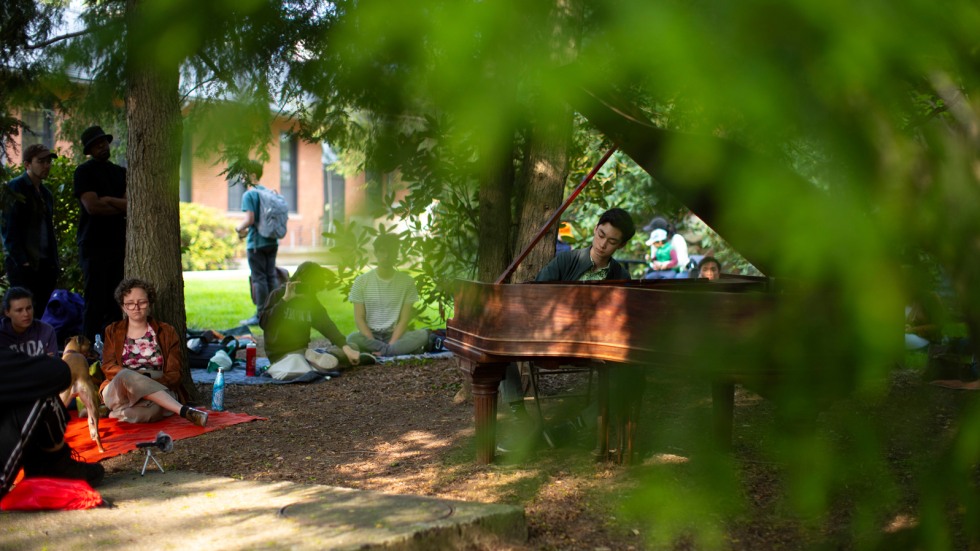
x=250 y=360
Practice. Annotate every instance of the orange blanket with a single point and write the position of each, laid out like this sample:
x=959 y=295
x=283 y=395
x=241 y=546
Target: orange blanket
x=119 y=438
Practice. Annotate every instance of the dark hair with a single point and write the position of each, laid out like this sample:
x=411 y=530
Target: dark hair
x=621 y=220
x=709 y=260
x=127 y=285
x=387 y=241
x=15 y=293
x=310 y=276
x=660 y=223
x=253 y=170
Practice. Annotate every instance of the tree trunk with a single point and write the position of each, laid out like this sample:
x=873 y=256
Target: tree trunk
x=542 y=181
x=544 y=175
x=493 y=250
x=153 y=221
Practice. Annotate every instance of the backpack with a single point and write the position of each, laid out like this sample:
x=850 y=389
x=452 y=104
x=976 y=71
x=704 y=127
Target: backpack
x=273 y=214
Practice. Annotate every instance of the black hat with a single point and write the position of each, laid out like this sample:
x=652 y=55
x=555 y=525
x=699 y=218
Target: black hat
x=657 y=223
x=92 y=134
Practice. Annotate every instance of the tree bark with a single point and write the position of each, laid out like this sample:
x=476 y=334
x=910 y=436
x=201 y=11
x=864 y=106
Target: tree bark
x=153 y=154
x=542 y=181
x=494 y=226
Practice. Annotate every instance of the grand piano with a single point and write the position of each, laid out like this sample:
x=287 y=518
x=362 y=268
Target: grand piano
x=657 y=324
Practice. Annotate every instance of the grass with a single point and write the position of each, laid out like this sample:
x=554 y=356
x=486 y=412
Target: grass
x=221 y=303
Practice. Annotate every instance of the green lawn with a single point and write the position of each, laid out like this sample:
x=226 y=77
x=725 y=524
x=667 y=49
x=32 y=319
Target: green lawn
x=220 y=303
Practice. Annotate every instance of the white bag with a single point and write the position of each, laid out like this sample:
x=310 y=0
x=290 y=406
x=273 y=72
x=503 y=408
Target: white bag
x=289 y=367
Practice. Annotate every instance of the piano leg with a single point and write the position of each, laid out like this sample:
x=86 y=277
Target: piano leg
x=485 y=381
x=602 y=423
x=723 y=411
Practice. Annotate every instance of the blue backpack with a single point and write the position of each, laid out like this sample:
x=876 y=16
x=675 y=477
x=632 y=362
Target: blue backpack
x=64 y=312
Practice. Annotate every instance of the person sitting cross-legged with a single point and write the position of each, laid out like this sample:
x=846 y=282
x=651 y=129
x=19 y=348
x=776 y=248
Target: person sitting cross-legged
x=383 y=306
x=142 y=362
x=293 y=309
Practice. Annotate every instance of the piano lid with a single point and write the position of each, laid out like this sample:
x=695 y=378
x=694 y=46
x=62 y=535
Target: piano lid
x=701 y=190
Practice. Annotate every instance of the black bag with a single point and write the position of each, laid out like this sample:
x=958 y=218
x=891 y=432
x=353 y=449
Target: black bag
x=199 y=356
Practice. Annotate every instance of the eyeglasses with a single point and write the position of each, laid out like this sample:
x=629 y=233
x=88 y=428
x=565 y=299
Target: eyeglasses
x=133 y=305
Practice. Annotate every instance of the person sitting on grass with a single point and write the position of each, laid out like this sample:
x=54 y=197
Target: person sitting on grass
x=293 y=309
x=384 y=301
x=33 y=421
x=18 y=328
x=142 y=362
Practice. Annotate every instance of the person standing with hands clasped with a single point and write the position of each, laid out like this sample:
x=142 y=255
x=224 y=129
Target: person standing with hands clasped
x=29 y=241
x=260 y=250
x=100 y=186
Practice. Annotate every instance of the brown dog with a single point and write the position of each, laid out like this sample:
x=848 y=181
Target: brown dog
x=76 y=350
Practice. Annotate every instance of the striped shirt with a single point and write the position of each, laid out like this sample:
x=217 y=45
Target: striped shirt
x=383 y=299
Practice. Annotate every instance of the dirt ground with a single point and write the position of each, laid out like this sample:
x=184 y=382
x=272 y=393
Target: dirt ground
x=395 y=428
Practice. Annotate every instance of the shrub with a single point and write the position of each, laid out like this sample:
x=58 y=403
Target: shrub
x=207 y=239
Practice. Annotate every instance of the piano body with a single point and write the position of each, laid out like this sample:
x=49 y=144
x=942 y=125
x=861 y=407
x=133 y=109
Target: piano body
x=618 y=322
x=648 y=323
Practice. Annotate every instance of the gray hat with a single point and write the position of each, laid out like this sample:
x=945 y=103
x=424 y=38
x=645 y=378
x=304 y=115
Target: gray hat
x=91 y=135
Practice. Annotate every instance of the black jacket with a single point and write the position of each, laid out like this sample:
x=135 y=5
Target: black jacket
x=570 y=265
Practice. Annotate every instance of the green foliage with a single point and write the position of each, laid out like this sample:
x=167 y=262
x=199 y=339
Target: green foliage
x=61 y=182
x=207 y=239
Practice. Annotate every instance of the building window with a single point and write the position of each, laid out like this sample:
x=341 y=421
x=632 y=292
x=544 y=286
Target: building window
x=288 y=168
x=236 y=189
x=186 y=167
x=39 y=128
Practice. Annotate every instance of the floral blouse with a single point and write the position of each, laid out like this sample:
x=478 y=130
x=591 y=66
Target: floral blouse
x=143 y=352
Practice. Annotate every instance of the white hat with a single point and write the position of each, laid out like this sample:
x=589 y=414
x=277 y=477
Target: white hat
x=657 y=235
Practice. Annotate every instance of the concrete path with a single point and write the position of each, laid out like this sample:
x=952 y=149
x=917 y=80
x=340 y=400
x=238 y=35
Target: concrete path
x=184 y=510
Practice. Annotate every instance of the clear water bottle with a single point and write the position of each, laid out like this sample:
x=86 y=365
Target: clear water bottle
x=218 y=391
x=98 y=345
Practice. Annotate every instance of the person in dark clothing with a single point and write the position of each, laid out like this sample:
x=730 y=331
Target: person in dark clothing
x=33 y=421
x=293 y=309
x=100 y=187
x=29 y=242
x=594 y=263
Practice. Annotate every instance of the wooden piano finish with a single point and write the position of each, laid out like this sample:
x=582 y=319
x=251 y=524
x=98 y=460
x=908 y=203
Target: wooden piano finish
x=619 y=322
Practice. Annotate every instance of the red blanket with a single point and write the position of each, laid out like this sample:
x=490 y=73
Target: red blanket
x=119 y=438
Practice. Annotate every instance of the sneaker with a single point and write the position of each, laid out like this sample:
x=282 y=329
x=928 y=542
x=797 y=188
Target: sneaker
x=65 y=463
x=435 y=341
x=196 y=416
x=321 y=361
x=254 y=320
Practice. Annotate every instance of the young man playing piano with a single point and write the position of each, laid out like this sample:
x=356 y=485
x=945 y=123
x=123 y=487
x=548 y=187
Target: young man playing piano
x=594 y=263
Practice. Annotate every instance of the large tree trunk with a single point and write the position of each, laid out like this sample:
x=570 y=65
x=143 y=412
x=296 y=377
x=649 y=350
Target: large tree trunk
x=493 y=252
x=153 y=228
x=542 y=182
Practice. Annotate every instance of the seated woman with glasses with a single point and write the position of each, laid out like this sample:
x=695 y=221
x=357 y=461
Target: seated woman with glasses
x=142 y=362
